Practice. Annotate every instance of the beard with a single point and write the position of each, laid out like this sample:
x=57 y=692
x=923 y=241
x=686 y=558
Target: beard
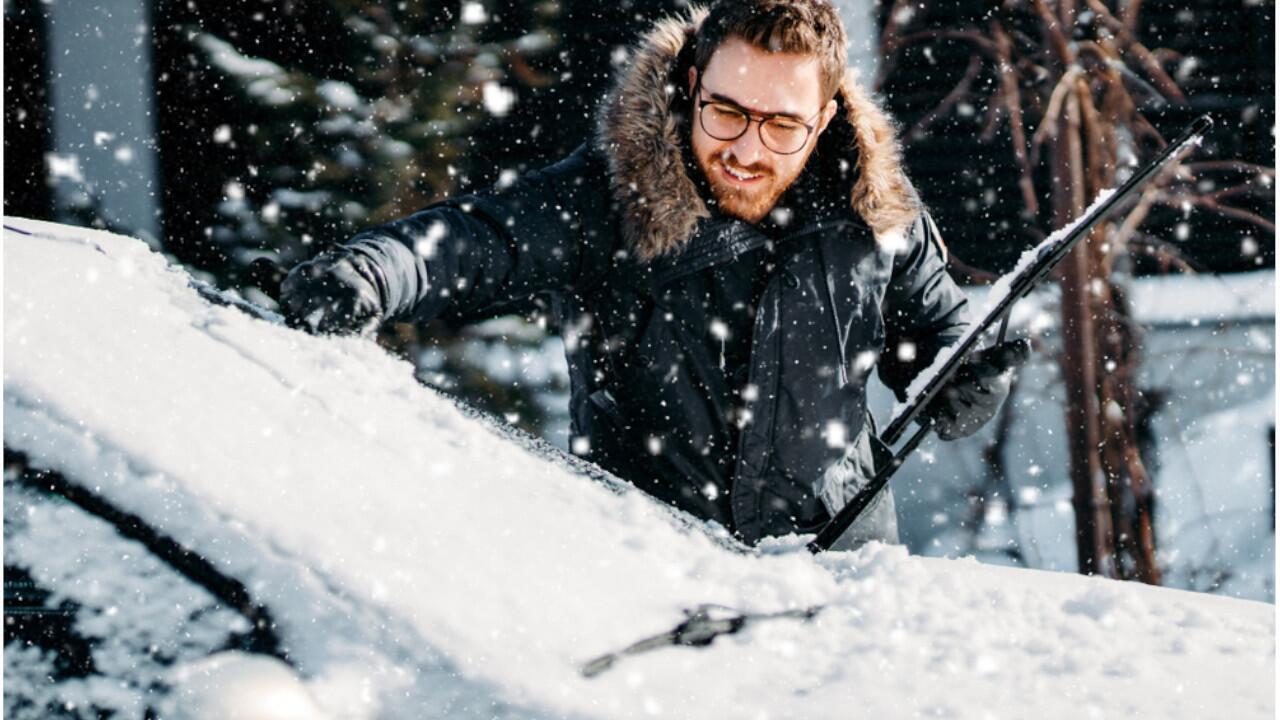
x=747 y=202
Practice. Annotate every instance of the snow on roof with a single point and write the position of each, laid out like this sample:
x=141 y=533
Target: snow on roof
x=263 y=448
x=1196 y=299
x=1176 y=299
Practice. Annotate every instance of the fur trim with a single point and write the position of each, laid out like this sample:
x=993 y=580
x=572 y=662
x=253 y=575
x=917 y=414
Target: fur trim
x=639 y=134
x=881 y=192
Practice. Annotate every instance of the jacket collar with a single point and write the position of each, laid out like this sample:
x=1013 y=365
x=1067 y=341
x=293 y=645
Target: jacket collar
x=713 y=241
x=639 y=129
x=721 y=239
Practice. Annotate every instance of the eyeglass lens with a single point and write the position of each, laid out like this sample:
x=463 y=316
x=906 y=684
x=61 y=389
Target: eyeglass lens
x=725 y=122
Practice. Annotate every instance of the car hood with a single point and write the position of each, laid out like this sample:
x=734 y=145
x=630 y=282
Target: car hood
x=468 y=558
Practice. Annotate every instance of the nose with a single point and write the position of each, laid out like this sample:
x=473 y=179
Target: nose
x=747 y=149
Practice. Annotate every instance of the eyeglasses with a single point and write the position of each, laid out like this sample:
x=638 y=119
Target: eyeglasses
x=724 y=120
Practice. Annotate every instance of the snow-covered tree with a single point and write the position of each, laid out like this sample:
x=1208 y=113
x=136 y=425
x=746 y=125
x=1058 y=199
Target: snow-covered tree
x=386 y=136
x=335 y=154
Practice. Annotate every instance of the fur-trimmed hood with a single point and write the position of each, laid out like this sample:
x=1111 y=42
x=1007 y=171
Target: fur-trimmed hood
x=640 y=134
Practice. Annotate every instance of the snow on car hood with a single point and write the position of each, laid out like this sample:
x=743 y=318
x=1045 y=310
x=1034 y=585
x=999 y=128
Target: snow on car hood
x=261 y=448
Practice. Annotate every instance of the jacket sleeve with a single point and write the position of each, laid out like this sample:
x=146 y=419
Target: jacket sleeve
x=546 y=231
x=924 y=310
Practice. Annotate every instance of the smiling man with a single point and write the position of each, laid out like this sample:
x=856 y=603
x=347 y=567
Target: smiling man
x=751 y=156
x=729 y=257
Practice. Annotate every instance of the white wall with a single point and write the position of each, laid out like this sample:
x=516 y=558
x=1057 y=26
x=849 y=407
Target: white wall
x=860 y=25
x=103 y=121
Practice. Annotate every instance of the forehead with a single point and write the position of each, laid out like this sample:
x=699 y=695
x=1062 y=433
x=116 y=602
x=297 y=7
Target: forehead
x=767 y=82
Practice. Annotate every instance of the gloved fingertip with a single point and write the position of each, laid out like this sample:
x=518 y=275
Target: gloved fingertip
x=1007 y=355
x=1022 y=349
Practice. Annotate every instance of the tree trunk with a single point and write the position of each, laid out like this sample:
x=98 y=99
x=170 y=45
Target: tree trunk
x=1094 y=549
x=1131 y=499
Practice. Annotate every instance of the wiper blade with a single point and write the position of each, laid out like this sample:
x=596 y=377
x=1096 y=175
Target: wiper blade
x=702 y=626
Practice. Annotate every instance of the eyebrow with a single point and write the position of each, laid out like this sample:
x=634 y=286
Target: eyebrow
x=730 y=101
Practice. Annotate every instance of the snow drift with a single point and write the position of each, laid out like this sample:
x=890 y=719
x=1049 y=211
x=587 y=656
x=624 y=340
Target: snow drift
x=420 y=561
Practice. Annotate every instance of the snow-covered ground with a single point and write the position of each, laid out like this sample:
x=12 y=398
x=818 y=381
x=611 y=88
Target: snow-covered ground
x=420 y=562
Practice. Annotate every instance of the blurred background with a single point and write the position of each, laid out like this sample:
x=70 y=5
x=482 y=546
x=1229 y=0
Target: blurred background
x=1140 y=442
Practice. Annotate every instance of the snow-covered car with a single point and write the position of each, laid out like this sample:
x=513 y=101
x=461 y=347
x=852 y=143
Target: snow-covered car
x=208 y=514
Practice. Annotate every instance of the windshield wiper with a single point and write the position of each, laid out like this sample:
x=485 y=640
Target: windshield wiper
x=703 y=625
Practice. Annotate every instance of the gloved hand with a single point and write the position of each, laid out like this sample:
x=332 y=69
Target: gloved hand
x=331 y=293
x=976 y=390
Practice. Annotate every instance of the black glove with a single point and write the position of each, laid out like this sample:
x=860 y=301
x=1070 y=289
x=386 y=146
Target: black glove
x=977 y=389
x=331 y=293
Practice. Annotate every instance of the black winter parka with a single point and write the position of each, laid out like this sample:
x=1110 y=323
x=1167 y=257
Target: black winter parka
x=622 y=241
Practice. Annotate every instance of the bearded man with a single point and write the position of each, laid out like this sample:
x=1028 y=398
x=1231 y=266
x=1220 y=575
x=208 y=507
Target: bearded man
x=729 y=257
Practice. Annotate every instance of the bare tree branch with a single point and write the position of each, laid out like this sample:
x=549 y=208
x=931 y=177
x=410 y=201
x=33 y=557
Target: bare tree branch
x=1245 y=189
x=962 y=90
x=895 y=44
x=1230 y=166
x=1139 y=52
x=1166 y=253
x=1129 y=13
x=1053 y=30
x=1120 y=238
x=1072 y=74
x=1053 y=111
x=1234 y=212
x=889 y=36
x=1013 y=102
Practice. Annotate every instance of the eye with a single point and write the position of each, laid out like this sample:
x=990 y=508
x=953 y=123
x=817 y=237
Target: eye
x=724 y=111
x=785 y=126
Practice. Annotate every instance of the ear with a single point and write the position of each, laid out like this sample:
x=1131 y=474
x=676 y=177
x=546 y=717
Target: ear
x=828 y=113
x=693 y=78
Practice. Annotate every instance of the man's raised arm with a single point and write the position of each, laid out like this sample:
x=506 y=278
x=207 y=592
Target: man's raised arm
x=548 y=231
x=926 y=310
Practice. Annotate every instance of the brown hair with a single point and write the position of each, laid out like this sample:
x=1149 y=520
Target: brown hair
x=804 y=27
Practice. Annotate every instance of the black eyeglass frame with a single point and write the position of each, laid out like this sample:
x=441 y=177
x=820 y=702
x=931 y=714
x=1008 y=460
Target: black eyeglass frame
x=751 y=116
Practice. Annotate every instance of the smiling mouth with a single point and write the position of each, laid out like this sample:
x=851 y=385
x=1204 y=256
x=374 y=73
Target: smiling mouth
x=739 y=176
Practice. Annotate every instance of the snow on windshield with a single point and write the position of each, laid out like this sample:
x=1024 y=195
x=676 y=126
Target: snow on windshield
x=295 y=462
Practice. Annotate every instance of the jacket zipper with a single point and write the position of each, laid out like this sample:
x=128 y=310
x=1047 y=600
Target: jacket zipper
x=757 y=333
x=752 y=376
x=835 y=316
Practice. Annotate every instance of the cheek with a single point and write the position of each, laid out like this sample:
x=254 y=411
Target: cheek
x=788 y=167
x=704 y=146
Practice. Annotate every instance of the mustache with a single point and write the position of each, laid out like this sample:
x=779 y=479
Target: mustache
x=726 y=158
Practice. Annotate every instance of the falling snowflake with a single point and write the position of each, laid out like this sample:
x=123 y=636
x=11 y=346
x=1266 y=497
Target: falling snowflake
x=654 y=445
x=64 y=166
x=425 y=246
x=837 y=434
x=473 y=13
x=498 y=99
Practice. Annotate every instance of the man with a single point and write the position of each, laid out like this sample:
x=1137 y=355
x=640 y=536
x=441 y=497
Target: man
x=729 y=257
